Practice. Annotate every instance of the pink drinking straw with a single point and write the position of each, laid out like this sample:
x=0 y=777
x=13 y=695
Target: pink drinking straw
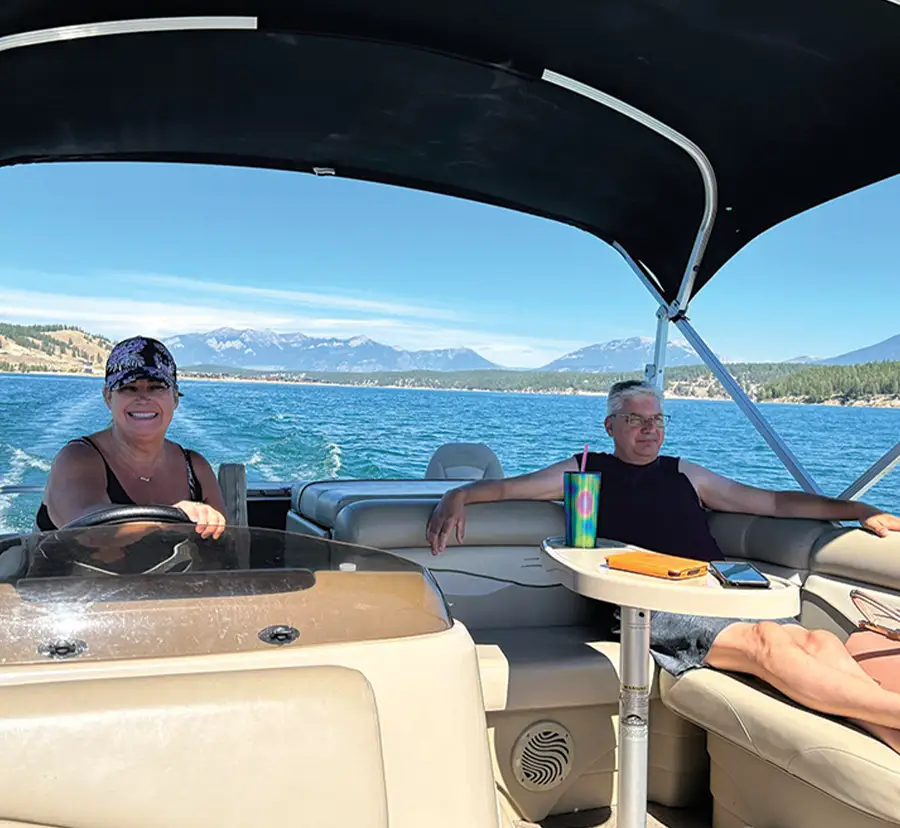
x=584 y=458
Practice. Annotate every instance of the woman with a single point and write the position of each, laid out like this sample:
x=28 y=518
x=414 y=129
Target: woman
x=131 y=461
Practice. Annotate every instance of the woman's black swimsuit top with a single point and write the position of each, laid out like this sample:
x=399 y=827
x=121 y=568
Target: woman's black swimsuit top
x=114 y=490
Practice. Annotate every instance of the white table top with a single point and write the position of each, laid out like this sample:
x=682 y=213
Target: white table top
x=585 y=571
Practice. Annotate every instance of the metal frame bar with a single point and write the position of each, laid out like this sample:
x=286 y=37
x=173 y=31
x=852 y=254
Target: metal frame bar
x=787 y=457
x=707 y=174
x=721 y=373
x=120 y=27
x=655 y=373
x=872 y=475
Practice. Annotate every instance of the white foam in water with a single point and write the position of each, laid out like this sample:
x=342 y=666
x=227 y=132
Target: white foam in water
x=335 y=459
x=20 y=461
x=256 y=460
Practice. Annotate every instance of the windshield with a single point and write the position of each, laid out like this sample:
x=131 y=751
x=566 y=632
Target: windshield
x=153 y=589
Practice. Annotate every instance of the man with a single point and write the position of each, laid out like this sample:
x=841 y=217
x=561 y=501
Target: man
x=659 y=502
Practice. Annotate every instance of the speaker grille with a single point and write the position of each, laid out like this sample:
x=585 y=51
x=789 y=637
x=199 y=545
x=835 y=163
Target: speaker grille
x=542 y=756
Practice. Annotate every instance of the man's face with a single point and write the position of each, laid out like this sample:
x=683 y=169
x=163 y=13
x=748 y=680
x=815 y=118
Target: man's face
x=638 y=428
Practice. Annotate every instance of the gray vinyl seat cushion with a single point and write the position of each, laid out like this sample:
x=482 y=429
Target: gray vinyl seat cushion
x=464 y=461
x=321 y=501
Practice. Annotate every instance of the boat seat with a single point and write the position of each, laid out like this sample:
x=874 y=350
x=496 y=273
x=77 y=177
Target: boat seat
x=315 y=506
x=464 y=461
x=178 y=740
x=564 y=683
x=371 y=718
x=495 y=578
x=815 y=769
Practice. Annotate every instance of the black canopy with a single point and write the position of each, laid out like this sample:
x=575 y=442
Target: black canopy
x=794 y=102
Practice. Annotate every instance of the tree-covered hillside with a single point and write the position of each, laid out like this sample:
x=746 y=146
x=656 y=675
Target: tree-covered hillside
x=846 y=383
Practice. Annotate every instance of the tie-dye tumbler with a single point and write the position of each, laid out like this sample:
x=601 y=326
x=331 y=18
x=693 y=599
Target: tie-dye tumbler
x=582 y=502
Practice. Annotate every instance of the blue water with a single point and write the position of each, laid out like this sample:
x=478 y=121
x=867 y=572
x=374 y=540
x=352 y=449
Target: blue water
x=290 y=432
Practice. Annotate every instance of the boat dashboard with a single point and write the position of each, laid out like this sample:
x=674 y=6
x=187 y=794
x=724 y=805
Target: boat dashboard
x=151 y=589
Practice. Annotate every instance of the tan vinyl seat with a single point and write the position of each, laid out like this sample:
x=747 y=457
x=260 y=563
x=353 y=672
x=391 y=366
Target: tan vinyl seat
x=178 y=713
x=568 y=681
x=543 y=664
x=188 y=750
x=814 y=769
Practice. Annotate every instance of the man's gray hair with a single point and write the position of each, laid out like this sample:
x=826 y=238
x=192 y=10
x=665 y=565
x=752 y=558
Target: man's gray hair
x=627 y=390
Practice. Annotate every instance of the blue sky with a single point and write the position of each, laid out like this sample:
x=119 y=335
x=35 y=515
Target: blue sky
x=163 y=249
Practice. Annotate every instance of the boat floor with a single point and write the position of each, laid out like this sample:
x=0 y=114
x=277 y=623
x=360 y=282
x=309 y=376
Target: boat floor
x=658 y=817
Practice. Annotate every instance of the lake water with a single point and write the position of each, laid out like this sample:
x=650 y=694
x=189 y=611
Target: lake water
x=293 y=432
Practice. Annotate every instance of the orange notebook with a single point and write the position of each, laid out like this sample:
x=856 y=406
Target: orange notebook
x=657 y=565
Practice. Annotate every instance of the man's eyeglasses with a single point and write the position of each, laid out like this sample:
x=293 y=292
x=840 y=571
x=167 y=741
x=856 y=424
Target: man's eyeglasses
x=636 y=420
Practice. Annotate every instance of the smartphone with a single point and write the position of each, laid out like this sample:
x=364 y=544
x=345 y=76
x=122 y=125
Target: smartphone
x=739 y=574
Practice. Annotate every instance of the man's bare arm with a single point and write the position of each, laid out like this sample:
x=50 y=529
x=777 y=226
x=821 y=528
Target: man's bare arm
x=544 y=484
x=450 y=514
x=726 y=495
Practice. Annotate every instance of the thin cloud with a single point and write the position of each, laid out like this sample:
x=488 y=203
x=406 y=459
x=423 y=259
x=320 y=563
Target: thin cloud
x=295 y=297
x=118 y=318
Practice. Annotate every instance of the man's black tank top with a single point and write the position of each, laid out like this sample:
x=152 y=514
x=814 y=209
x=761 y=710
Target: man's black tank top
x=654 y=506
x=114 y=489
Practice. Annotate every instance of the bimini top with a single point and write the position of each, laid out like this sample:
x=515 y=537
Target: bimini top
x=792 y=102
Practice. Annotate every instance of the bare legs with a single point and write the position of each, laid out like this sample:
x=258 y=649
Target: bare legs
x=813 y=668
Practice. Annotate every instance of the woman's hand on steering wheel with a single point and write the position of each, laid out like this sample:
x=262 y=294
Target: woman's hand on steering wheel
x=210 y=523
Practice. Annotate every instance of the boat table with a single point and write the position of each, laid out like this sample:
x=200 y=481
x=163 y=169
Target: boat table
x=585 y=571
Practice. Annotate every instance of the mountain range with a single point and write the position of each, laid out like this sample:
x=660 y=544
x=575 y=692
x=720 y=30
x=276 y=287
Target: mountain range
x=58 y=348
x=270 y=351
x=889 y=349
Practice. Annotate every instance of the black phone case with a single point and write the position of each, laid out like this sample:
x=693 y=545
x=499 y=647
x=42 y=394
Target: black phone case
x=739 y=584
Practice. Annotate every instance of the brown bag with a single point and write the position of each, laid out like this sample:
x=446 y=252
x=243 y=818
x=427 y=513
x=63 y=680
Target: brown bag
x=877 y=617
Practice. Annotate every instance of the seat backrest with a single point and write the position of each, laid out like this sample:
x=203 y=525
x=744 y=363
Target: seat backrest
x=495 y=577
x=843 y=559
x=464 y=461
x=196 y=749
x=780 y=546
x=373 y=716
x=826 y=559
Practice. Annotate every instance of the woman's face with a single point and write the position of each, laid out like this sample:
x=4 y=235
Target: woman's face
x=142 y=408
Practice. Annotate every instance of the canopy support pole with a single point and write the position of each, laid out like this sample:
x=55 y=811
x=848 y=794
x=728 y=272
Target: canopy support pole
x=122 y=27
x=872 y=475
x=730 y=384
x=655 y=372
x=707 y=174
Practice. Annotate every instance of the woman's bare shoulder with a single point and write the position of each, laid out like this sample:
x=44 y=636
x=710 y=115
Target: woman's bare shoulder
x=77 y=459
x=76 y=451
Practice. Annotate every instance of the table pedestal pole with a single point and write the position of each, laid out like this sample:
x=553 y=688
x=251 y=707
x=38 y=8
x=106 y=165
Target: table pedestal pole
x=634 y=702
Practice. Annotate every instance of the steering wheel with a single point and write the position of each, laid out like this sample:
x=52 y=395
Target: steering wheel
x=59 y=554
x=114 y=515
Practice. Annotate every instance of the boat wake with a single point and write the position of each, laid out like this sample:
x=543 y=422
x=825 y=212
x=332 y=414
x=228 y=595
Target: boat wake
x=17 y=467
